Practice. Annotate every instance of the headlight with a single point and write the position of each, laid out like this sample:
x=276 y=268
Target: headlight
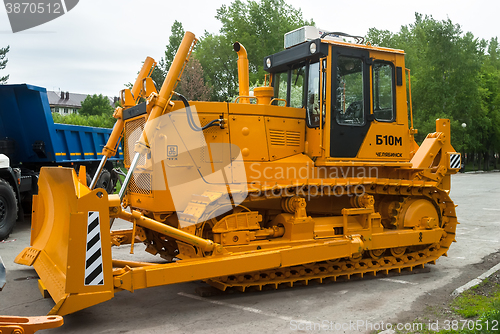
x=268 y=62
x=312 y=48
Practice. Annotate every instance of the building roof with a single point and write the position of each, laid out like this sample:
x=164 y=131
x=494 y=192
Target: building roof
x=70 y=99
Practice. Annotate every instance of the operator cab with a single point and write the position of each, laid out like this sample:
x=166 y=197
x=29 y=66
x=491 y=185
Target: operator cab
x=354 y=95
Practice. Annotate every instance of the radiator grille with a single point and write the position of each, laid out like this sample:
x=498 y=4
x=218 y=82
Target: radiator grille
x=284 y=138
x=293 y=138
x=277 y=137
x=140 y=184
x=133 y=131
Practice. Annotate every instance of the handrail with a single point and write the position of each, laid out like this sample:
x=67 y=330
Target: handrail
x=409 y=96
x=278 y=99
x=244 y=97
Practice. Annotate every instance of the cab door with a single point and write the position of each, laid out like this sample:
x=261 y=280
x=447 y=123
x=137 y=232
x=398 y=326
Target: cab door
x=350 y=105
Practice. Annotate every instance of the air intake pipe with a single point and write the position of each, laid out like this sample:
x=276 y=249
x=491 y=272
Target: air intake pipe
x=243 y=81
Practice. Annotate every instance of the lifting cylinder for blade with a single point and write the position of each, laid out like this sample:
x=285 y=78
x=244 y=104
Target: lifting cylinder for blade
x=162 y=101
x=167 y=89
x=109 y=149
x=146 y=70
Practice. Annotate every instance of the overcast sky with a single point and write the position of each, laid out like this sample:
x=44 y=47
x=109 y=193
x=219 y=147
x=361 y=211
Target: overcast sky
x=99 y=45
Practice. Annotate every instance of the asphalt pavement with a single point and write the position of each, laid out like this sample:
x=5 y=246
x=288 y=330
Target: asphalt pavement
x=344 y=307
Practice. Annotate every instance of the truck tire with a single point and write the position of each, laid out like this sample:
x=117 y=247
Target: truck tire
x=89 y=179
x=105 y=182
x=8 y=209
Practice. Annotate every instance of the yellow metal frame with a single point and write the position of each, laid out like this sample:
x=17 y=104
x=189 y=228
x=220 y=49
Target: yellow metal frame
x=28 y=325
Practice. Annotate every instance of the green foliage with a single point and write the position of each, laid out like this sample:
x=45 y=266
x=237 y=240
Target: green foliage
x=490 y=317
x=96 y=111
x=101 y=121
x=96 y=105
x=192 y=85
x=3 y=64
x=452 y=77
x=259 y=26
x=479 y=308
x=219 y=64
x=174 y=41
x=470 y=304
x=484 y=307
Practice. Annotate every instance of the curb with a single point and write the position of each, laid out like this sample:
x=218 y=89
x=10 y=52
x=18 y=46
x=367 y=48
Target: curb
x=482 y=171
x=388 y=331
x=476 y=281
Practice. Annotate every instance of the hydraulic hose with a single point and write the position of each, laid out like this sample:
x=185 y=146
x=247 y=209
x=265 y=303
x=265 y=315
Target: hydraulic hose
x=216 y=122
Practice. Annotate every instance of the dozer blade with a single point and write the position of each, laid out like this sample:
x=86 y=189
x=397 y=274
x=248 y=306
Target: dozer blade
x=70 y=241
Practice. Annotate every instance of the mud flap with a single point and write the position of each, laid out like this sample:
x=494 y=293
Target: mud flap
x=2 y=274
x=70 y=241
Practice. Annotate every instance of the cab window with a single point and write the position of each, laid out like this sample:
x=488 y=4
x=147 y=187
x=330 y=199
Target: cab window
x=297 y=87
x=383 y=91
x=349 y=106
x=313 y=96
x=312 y=99
x=280 y=84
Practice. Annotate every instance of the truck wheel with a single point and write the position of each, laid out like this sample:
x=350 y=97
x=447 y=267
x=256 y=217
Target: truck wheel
x=105 y=181
x=8 y=209
x=89 y=179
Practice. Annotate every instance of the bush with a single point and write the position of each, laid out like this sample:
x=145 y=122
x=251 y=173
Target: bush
x=101 y=121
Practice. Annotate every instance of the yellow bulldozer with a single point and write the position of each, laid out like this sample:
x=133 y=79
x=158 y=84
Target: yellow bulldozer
x=314 y=176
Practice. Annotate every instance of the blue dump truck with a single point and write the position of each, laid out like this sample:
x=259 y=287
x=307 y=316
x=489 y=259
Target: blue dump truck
x=29 y=140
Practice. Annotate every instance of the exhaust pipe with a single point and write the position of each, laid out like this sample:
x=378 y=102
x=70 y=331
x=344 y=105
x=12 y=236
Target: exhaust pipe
x=243 y=80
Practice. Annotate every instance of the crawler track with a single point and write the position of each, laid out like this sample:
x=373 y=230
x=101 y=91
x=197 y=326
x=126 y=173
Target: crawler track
x=343 y=268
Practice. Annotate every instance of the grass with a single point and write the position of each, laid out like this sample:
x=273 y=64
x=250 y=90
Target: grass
x=470 y=304
x=120 y=180
x=478 y=307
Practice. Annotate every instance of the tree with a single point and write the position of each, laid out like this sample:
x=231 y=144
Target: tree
x=445 y=66
x=163 y=66
x=490 y=100
x=451 y=78
x=219 y=64
x=192 y=85
x=96 y=105
x=3 y=63
x=258 y=25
